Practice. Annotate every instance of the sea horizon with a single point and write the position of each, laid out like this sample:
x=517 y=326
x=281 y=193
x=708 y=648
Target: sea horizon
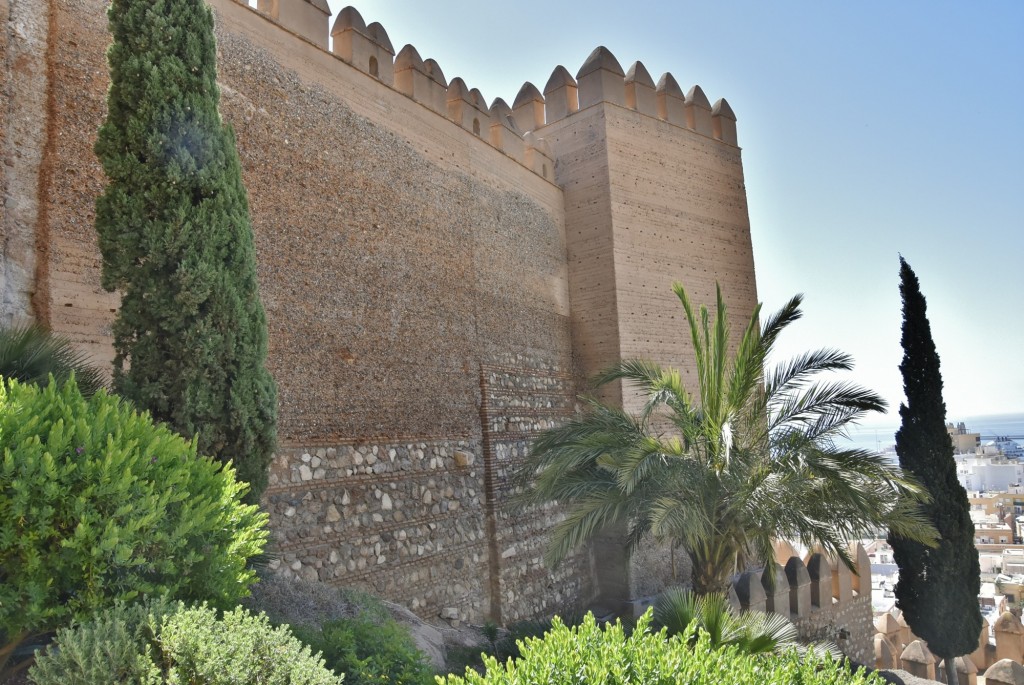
x=882 y=436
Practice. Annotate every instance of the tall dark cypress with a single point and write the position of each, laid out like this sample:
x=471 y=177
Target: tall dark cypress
x=938 y=587
x=191 y=335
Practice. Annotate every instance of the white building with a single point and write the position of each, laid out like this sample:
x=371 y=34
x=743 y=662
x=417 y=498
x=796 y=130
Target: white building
x=987 y=473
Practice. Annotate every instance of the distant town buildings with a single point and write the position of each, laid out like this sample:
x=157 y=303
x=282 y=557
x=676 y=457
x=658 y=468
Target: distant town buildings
x=993 y=475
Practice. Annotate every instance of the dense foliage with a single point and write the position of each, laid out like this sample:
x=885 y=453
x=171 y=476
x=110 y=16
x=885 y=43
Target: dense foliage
x=608 y=656
x=163 y=643
x=368 y=651
x=938 y=586
x=190 y=337
x=31 y=354
x=98 y=503
x=750 y=457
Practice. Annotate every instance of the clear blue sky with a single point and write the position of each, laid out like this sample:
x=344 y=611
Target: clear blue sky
x=868 y=129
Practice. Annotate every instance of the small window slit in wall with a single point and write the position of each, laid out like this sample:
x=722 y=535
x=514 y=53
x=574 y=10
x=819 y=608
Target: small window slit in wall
x=374 y=68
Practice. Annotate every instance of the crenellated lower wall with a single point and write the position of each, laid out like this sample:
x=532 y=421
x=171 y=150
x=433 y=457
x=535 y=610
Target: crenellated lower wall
x=821 y=596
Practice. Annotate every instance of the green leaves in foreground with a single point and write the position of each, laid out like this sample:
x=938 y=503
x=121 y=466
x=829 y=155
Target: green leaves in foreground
x=98 y=504
x=594 y=655
x=162 y=642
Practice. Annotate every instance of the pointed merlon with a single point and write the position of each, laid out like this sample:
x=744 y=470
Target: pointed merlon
x=367 y=48
x=638 y=74
x=413 y=78
x=640 y=94
x=528 y=108
x=528 y=93
x=457 y=89
x=886 y=624
x=434 y=69
x=321 y=5
x=500 y=108
x=671 y=101
x=601 y=79
x=378 y=33
x=698 y=112
x=462 y=106
x=409 y=58
x=505 y=135
x=560 y=95
x=349 y=18
x=560 y=78
x=478 y=100
x=723 y=123
x=723 y=127
x=1008 y=623
x=697 y=97
x=722 y=109
x=667 y=84
x=600 y=59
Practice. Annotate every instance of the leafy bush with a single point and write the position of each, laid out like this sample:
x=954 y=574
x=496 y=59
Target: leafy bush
x=108 y=648
x=369 y=650
x=161 y=642
x=98 y=504
x=590 y=654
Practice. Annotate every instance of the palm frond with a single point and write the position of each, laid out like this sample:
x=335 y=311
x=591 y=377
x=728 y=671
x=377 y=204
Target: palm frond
x=793 y=373
x=31 y=354
x=778 y=321
x=725 y=466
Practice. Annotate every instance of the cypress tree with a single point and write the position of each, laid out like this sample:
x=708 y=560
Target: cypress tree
x=190 y=338
x=938 y=587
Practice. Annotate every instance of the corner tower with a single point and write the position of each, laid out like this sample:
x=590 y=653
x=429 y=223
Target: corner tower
x=654 y=193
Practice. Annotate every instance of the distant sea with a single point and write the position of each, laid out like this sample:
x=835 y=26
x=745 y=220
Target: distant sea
x=883 y=436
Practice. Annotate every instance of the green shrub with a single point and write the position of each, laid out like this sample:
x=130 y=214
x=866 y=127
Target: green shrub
x=98 y=504
x=500 y=645
x=163 y=643
x=369 y=650
x=108 y=648
x=590 y=654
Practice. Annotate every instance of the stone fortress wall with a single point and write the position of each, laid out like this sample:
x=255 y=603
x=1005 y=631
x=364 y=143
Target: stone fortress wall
x=440 y=276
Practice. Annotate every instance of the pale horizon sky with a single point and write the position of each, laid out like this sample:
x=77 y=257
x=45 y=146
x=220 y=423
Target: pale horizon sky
x=868 y=129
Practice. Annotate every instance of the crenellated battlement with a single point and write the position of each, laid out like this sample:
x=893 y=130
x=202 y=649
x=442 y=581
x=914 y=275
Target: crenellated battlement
x=440 y=271
x=823 y=597
x=601 y=79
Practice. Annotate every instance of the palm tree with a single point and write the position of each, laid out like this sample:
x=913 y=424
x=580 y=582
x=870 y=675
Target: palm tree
x=680 y=611
x=31 y=354
x=752 y=457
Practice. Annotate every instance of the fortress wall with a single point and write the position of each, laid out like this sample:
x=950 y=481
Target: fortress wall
x=580 y=143
x=403 y=263
x=24 y=42
x=680 y=214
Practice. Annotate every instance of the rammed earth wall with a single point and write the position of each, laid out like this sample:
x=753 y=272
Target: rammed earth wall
x=440 y=275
